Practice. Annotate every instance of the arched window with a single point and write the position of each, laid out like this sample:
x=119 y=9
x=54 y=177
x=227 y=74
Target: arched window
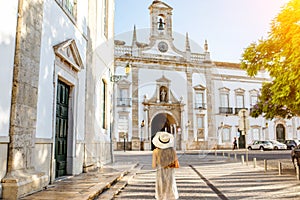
x=161 y=23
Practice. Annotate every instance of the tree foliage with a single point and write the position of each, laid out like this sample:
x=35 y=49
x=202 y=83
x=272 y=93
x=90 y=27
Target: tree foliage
x=279 y=54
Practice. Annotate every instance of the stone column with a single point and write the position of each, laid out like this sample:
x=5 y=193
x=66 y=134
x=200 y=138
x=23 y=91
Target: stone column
x=21 y=177
x=190 y=106
x=212 y=137
x=135 y=141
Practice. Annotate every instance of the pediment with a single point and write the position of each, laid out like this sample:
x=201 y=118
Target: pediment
x=159 y=4
x=163 y=79
x=224 y=89
x=69 y=53
x=239 y=90
x=199 y=87
x=254 y=91
x=124 y=83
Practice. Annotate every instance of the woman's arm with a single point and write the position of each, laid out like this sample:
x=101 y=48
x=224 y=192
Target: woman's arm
x=154 y=155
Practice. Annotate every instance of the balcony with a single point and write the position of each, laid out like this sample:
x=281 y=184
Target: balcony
x=225 y=110
x=237 y=110
x=200 y=106
x=126 y=102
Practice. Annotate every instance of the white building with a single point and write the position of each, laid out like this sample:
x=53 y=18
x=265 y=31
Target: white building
x=56 y=59
x=172 y=88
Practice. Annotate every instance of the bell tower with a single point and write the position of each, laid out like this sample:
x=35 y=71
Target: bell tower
x=160 y=21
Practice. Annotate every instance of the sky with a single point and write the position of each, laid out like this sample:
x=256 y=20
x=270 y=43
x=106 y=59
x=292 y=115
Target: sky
x=229 y=26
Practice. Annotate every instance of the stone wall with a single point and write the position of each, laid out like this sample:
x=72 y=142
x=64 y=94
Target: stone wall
x=21 y=177
x=3 y=159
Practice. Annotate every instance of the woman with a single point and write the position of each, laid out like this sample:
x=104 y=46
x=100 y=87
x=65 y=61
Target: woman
x=164 y=159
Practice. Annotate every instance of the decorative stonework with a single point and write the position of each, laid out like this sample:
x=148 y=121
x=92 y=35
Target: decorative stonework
x=69 y=53
x=21 y=177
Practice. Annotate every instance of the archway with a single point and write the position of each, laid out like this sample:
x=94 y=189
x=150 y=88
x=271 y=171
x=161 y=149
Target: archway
x=162 y=122
x=280 y=133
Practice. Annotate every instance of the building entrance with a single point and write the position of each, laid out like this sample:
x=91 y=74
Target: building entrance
x=280 y=133
x=61 y=133
x=162 y=122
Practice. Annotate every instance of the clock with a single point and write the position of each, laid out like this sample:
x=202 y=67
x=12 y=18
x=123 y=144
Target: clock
x=163 y=47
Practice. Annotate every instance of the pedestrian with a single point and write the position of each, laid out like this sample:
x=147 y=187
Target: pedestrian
x=234 y=144
x=164 y=160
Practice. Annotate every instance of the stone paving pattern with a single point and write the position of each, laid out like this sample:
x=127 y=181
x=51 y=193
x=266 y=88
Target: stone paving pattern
x=199 y=177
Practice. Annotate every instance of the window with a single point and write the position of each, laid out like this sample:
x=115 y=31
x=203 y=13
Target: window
x=104 y=104
x=255 y=134
x=200 y=122
x=253 y=100
x=199 y=99
x=69 y=6
x=226 y=135
x=224 y=100
x=123 y=99
x=240 y=101
x=253 y=97
x=200 y=127
x=123 y=123
x=123 y=93
x=239 y=98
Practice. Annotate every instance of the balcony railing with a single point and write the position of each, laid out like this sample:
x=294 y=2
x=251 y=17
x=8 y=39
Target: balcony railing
x=237 y=110
x=225 y=110
x=200 y=106
x=124 y=102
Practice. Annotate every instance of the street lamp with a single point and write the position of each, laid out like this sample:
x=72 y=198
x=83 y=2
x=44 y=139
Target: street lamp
x=117 y=77
x=114 y=79
x=142 y=125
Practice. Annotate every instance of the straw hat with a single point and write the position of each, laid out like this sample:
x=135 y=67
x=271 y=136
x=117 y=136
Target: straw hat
x=163 y=140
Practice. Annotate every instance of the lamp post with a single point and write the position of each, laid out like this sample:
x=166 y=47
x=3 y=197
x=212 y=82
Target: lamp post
x=114 y=78
x=142 y=137
x=124 y=137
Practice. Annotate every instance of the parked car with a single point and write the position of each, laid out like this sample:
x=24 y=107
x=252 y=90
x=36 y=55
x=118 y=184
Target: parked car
x=291 y=144
x=261 y=145
x=278 y=145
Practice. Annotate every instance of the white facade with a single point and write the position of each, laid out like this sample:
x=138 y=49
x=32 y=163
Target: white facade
x=203 y=97
x=63 y=58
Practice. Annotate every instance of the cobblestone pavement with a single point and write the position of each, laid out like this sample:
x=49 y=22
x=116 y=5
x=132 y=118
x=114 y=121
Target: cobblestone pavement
x=209 y=177
x=200 y=176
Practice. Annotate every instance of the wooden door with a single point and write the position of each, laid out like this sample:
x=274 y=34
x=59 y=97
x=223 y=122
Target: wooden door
x=61 y=133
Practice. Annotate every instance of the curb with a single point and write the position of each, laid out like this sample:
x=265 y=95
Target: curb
x=116 y=185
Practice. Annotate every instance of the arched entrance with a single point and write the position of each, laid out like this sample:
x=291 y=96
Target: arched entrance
x=162 y=122
x=280 y=133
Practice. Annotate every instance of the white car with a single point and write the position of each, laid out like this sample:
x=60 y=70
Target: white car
x=261 y=145
x=278 y=145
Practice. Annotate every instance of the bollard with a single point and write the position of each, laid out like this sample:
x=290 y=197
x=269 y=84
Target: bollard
x=223 y=154
x=265 y=165
x=279 y=168
x=242 y=158
x=215 y=152
x=229 y=156
x=254 y=162
x=235 y=158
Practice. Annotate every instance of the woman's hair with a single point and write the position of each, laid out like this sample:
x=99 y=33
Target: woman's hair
x=166 y=156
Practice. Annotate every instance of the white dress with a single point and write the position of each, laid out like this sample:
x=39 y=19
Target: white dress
x=165 y=186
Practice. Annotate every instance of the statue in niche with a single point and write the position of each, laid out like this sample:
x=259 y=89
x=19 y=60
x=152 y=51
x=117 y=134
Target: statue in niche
x=163 y=95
